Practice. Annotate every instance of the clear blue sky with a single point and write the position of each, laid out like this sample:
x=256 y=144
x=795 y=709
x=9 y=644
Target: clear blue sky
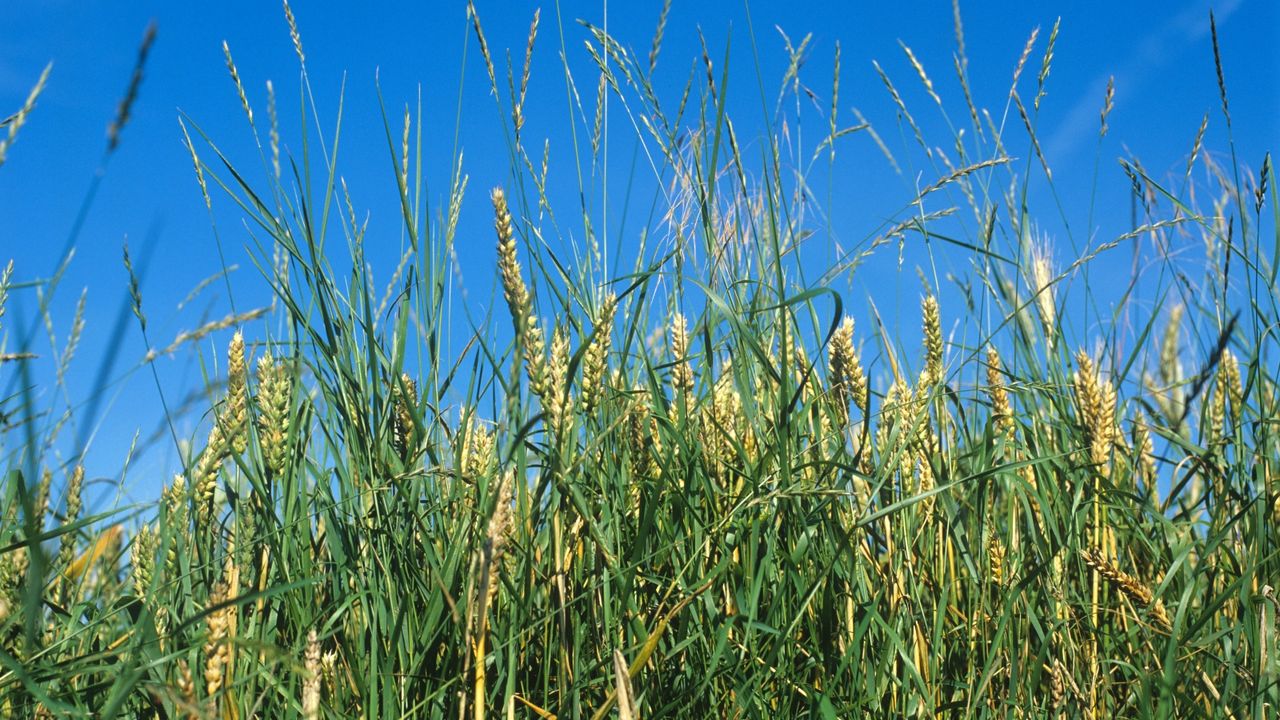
x=1159 y=53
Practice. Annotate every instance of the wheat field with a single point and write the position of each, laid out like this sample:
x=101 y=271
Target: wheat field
x=710 y=484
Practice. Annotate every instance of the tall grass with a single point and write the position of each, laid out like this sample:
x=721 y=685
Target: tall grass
x=692 y=486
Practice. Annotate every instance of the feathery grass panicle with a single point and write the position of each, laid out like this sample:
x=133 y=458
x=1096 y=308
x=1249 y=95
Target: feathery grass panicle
x=924 y=77
x=404 y=151
x=273 y=136
x=190 y=336
x=199 y=168
x=518 y=110
x=484 y=44
x=19 y=118
x=1022 y=59
x=1108 y=104
x=235 y=77
x=902 y=108
x=73 y=338
x=124 y=111
x=932 y=321
x=294 y=35
x=1045 y=63
x=6 y=277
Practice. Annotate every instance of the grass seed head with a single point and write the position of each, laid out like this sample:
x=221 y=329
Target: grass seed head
x=1001 y=411
x=40 y=508
x=844 y=371
x=275 y=400
x=5 y=279
x=640 y=433
x=1171 y=396
x=678 y=338
x=1234 y=387
x=19 y=118
x=1042 y=274
x=406 y=401
x=556 y=400
x=206 y=474
x=142 y=561
x=513 y=287
x=995 y=557
x=478 y=452
x=71 y=513
x=235 y=413
x=1096 y=406
x=311 y=678
x=1144 y=448
x=535 y=357
x=293 y=32
x=596 y=360
x=235 y=77
x=932 y=321
x=217 y=648
x=1131 y=587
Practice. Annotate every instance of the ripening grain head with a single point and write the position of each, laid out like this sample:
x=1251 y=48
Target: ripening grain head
x=932 y=321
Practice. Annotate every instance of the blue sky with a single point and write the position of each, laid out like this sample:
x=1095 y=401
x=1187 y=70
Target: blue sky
x=1158 y=52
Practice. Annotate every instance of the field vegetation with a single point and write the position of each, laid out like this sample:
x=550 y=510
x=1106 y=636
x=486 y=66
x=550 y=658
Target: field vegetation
x=684 y=482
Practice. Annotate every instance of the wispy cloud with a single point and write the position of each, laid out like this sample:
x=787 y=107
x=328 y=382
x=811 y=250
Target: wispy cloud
x=1148 y=56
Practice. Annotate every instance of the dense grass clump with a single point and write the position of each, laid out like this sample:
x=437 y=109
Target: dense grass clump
x=694 y=487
